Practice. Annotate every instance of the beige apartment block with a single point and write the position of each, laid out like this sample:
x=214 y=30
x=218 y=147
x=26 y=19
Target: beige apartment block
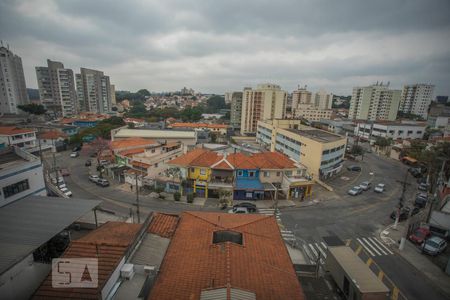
x=321 y=152
x=374 y=102
x=267 y=101
x=312 y=113
x=416 y=98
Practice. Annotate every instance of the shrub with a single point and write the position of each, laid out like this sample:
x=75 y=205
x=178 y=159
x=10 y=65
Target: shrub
x=190 y=198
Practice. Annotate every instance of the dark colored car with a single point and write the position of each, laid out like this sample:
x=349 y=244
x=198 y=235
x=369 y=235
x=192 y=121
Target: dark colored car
x=420 y=235
x=76 y=149
x=404 y=213
x=423 y=187
x=250 y=206
x=88 y=163
x=354 y=168
x=421 y=200
x=102 y=182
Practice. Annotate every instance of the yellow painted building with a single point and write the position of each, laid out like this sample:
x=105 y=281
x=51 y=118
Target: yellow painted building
x=320 y=151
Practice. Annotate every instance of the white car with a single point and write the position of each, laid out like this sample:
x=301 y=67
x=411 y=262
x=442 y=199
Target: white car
x=61 y=186
x=379 y=188
x=94 y=178
x=66 y=192
x=365 y=185
x=238 y=210
x=356 y=190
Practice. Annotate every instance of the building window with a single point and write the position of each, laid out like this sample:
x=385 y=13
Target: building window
x=192 y=170
x=266 y=174
x=16 y=188
x=251 y=174
x=240 y=173
x=202 y=172
x=288 y=173
x=278 y=174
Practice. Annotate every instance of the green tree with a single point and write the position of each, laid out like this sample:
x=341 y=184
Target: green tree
x=34 y=109
x=383 y=142
x=357 y=150
x=215 y=103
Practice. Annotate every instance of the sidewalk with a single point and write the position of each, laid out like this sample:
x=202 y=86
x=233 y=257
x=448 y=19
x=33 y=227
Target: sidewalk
x=413 y=256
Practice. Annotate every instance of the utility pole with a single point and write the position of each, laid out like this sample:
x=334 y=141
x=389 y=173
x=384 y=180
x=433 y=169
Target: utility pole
x=405 y=183
x=137 y=198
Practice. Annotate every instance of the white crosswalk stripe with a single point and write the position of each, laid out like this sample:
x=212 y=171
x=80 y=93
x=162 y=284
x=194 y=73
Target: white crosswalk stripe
x=373 y=246
x=269 y=212
x=314 y=249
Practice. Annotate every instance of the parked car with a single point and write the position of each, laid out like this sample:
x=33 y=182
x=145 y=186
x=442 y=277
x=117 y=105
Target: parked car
x=88 y=163
x=102 y=182
x=423 y=187
x=94 y=178
x=104 y=162
x=76 y=149
x=238 y=210
x=250 y=206
x=434 y=245
x=62 y=185
x=404 y=213
x=420 y=235
x=379 y=188
x=365 y=185
x=65 y=172
x=60 y=180
x=66 y=192
x=356 y=190
x=93 y=154
x=421 y=201
x=354 y=168
x=439 y=231
x=74 y=154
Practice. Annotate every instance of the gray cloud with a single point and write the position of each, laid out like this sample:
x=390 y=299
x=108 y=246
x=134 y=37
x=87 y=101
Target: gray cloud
x=214 y=46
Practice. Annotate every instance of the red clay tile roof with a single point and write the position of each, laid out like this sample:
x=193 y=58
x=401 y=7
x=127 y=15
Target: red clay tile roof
x=193 y=263
x=52 y=135
x=10 y=130
x=140 y=164
x=131 y=142
x=199 y=125
x=206 y=158
x=108 y=243
x=132 y=151
x=163 y=224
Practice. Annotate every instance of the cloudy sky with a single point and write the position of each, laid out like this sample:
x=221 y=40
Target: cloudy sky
x=215 y=46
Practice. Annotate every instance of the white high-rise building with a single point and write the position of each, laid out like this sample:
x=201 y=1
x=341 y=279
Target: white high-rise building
x=267 y=101
x=93 y=91
x=301 y=96
x=57 y=89
x=416 y=98
x=13 y=90
x=374 y=102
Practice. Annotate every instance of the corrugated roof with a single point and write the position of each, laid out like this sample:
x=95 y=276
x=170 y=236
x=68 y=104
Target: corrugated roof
x=199 y=125
x=155 y=134
x=131 y=142
x=108 y=244
x=28 y=223
x=193 y=263
x=358 y=271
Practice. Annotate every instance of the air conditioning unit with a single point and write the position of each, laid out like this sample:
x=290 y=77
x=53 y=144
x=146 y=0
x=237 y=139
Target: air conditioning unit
x=127 y=271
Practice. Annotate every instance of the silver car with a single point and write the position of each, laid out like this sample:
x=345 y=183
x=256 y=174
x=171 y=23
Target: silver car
x=356 y=190
x=434 y=245
x=379 y=188
x=365 y=185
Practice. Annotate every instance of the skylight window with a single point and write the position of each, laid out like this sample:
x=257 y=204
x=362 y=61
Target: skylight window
x=223 y=236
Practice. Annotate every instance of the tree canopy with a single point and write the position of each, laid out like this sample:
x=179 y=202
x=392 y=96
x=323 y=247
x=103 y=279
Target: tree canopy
x=35 y=109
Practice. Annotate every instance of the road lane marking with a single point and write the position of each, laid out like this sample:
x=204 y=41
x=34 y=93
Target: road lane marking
x=324 y=255
x=367 y=249
x=371 y=246
x=386 y=248
x=369 y=261
x=358 y=250
x=395 y=293
x=381 y=275
x=375 y=243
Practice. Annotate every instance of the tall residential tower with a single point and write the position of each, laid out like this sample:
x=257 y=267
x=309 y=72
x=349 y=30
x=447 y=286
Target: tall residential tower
x=416 y=98
x=13 y=91
x=57 y=89
x=374 y=102
x=267 y=101
x=235 y=98
x=94 y=91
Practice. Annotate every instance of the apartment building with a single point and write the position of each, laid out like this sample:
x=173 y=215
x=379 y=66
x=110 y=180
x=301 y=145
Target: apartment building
x=93 y=91
x=13 y=90
x=306 y=102
x=312 y=113
x=235 y=98
x=374 y=102
x=301 y=96
x=320 y=151
x=57 y=89
x=322 y=100
x=21 y=175
x=267 y=101
x=113 y=94
x=393 y=130
x=416 y=98
x=18 y=137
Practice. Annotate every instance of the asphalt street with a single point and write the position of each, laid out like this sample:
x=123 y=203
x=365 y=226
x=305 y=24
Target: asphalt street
x=337 y=214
